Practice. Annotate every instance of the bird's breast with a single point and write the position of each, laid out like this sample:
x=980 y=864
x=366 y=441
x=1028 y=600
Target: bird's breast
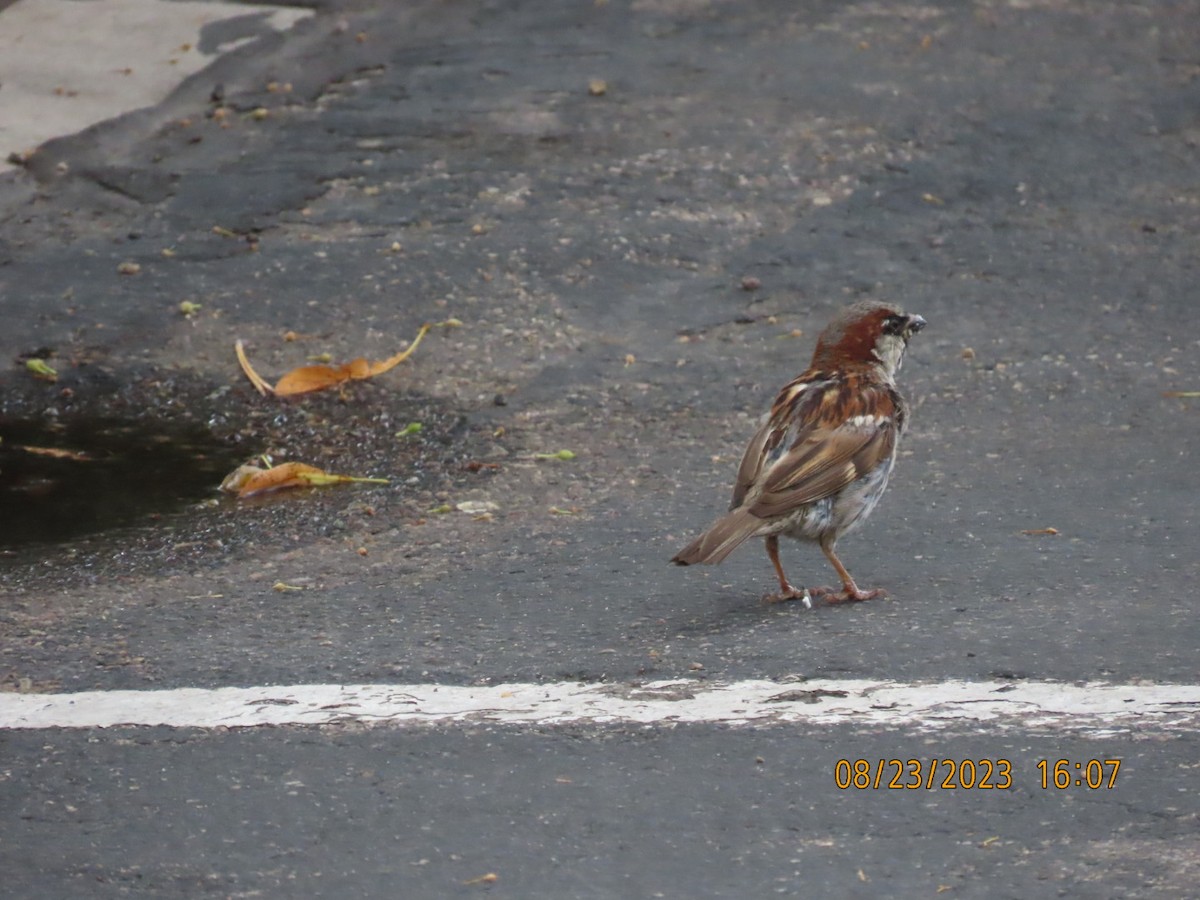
x=836 y=514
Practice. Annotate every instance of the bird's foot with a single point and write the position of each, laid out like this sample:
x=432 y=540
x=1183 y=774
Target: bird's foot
x=848 y=593
x=787 y=592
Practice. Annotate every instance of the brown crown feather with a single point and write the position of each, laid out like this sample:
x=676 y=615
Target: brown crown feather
x=851 y=337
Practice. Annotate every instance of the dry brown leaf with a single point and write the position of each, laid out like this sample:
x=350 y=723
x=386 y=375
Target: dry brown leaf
x=250 y=479
x=255 y=378
x=476 y=465
x=307 y=379
x=55 y=453
x=1040 y=531
x=489 y=878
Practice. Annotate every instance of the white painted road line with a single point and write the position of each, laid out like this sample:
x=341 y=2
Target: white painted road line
x=1092 y=708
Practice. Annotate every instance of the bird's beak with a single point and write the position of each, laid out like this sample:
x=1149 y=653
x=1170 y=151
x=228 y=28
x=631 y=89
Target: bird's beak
x=915 y=324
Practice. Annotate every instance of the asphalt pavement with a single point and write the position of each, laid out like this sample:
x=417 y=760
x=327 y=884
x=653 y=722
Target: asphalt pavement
x=641 y=213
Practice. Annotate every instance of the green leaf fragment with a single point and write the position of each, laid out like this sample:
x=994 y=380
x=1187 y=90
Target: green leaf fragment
x=39 y=368
x=324 y=478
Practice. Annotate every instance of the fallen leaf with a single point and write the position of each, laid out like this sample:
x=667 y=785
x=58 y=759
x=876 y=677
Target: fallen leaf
x=307 y=379
x=489 y=878
x=250 y=479
x=318 y=377
x=561 y=454
x=283 y=588
x=40 y=369
x=476 y=465
x=1181 y=393
x=409 y=430
x=255 y=378
x=188 y=308
x=1040 y=531
x=55 y=453
x=476 y=507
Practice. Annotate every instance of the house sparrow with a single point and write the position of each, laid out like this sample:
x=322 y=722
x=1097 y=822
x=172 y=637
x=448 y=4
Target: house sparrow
x=821 y=460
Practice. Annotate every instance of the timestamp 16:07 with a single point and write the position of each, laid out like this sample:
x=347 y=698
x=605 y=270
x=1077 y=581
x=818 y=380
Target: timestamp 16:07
x=968 y=774
x=1092 y=773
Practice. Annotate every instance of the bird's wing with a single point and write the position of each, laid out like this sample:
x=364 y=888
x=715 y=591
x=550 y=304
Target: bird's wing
x=822 y=465
x=797 y=410
x=821 y=454
x=752 y=462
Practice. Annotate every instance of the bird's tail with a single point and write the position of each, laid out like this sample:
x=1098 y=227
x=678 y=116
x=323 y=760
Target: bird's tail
x=722 y=538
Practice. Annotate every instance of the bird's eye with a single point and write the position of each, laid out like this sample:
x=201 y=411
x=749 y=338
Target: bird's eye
x=893 y=325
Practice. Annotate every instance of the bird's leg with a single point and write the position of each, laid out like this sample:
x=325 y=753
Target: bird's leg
x=786 y=591
x=849 y=590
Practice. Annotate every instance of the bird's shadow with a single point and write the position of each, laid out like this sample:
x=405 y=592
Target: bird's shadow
x=739 y=612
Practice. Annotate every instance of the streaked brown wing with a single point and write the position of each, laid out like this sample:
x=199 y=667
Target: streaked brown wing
x=752 y=463
x=821 y=464
x=792 y=414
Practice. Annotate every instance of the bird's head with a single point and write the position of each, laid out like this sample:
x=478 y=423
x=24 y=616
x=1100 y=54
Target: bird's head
x=867 y=334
